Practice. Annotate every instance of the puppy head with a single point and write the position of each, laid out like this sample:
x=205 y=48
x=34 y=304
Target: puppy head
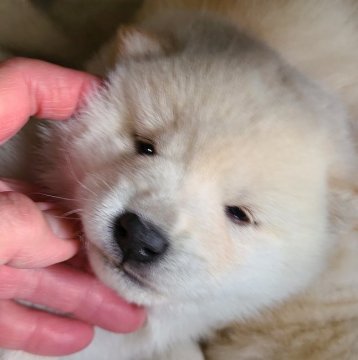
x=202 y=174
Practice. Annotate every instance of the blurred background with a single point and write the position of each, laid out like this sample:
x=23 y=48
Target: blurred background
x=66 y=32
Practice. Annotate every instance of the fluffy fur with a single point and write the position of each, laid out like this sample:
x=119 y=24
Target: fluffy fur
x=233 y=125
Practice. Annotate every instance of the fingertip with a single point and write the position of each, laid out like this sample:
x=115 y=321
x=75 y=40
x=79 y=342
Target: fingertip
x=37 y=88
x=28 y=240
x=125 y=323
x=64 y=245
x=60 y=226
x=64 y=231
x=139 y=319
x=119 y=316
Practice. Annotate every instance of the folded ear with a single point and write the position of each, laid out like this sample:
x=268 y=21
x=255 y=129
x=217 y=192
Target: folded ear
x=135 y=42
x=129 y=42
x=343 y=205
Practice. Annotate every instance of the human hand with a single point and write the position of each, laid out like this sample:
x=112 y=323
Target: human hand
x=33 y=239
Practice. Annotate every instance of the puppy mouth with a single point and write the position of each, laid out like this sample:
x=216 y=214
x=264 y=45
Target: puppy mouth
x=136 y=278
x=125 y=269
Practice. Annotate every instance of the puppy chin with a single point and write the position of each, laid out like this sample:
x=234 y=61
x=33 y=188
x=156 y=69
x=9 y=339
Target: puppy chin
x=126 y=281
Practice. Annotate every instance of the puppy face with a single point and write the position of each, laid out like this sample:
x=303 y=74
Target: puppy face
x=200 y=178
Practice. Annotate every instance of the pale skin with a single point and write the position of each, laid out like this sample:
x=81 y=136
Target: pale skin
x=34 y=241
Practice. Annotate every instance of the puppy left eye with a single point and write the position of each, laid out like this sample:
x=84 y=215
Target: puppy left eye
x=145 y=147
x=239 y=215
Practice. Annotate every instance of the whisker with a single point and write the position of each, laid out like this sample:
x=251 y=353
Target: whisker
x=61 y=197
x=196 y=256
x=103 y=181
x=71 y=212
x=66 y=217
x=54 y=196
x=75 y=176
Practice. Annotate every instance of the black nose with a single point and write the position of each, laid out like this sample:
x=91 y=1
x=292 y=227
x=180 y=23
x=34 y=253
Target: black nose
x=139 y=240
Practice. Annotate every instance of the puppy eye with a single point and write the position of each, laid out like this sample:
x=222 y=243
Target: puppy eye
x=239 y=215
x=145 y=147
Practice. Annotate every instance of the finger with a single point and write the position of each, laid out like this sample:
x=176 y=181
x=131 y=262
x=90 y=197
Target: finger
x=39 y=332
x=32 y=191
x=7 y=184
x=33 y=87
x=72 y=292
x=30 y=237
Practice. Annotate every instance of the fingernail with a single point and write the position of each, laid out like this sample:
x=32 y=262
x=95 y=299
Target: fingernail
x=62 y=228
x=119 y=316
x=44 y=206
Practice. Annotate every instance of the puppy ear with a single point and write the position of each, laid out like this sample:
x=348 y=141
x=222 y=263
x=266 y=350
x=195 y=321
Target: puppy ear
x=129 y=42
x=343 y=205
x=135 y=42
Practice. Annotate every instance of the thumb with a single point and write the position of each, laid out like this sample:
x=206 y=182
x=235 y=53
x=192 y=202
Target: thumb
x=33 y=87
x=30 y=238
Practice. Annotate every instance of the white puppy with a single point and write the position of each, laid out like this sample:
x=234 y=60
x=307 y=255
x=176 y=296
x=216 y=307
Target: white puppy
x=208 y=175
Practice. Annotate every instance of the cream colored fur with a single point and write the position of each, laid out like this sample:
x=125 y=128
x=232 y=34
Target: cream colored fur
x=319 y=37
x=233 y=125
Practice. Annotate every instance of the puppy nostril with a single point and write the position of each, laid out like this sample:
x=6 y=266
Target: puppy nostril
x=119 y=230
x=139 y=240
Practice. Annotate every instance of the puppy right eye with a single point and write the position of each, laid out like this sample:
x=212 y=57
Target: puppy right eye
x=145 y=147
x=239 y=215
